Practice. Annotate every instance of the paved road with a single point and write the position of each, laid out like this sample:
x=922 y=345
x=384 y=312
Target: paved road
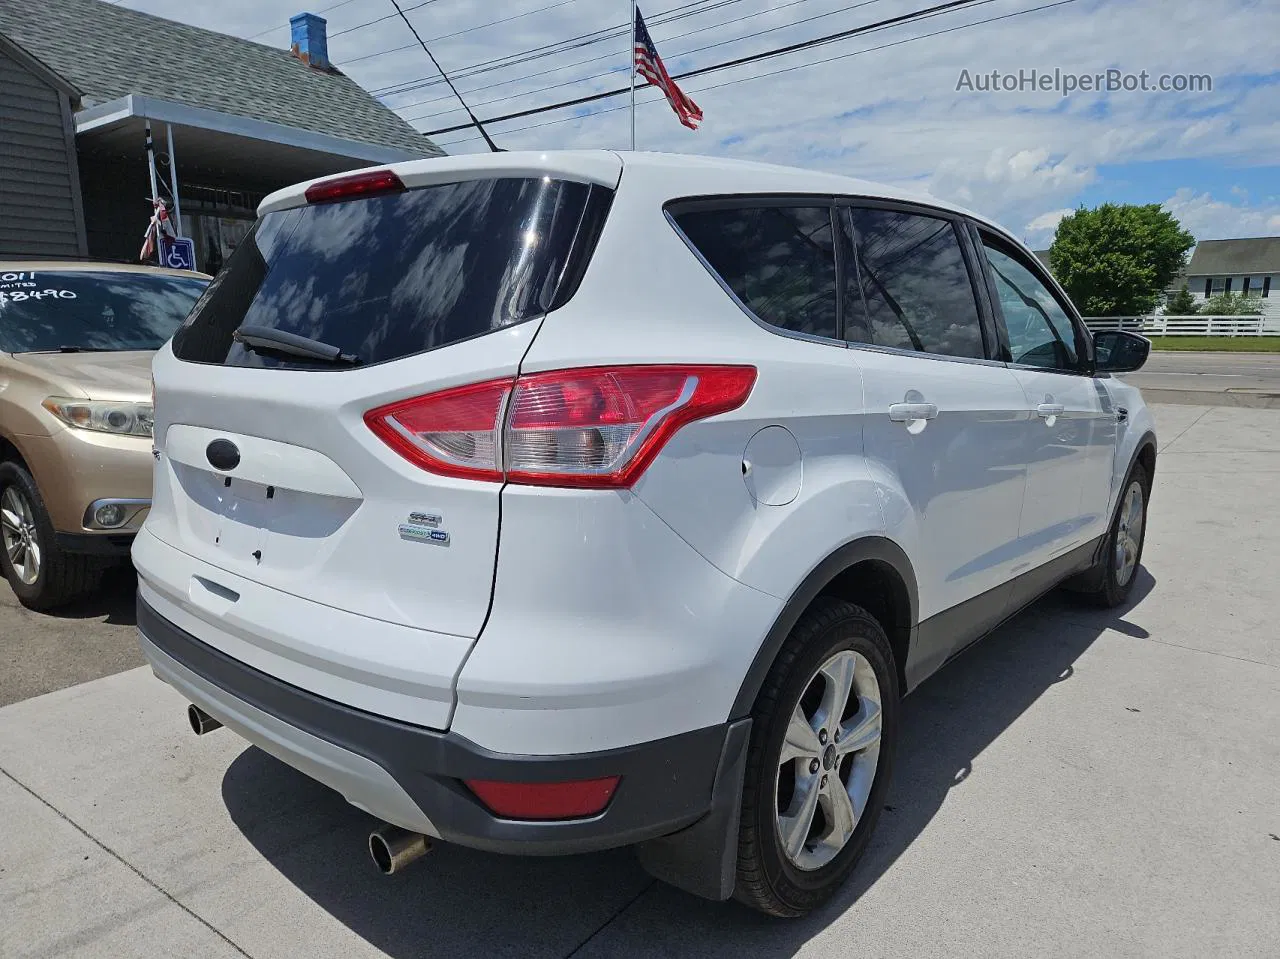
x=1212 y=372
x=1081 y=783
x=41 y=653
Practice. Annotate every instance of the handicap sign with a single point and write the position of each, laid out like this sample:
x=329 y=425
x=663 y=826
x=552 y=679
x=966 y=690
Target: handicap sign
x=178 y=253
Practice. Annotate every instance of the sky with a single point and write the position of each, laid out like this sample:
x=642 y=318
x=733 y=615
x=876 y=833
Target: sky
x=909 y=105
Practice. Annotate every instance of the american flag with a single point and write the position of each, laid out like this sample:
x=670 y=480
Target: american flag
x=649 y=65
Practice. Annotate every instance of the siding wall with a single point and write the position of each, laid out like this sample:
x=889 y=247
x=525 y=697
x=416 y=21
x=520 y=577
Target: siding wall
x=39 y=191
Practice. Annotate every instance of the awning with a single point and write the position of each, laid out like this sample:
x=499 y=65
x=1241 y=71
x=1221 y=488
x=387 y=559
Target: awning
x=214 y=140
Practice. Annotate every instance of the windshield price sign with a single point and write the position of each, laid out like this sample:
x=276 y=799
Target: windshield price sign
x=16 y=287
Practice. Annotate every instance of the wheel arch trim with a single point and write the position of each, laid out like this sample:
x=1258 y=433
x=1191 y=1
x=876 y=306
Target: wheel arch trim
x=1146 y=441
x=872 y=548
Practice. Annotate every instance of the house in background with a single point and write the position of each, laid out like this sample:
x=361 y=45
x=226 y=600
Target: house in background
x=82 y=82
x=1250 y=266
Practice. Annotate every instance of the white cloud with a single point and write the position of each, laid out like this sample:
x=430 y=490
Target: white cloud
x=1041 y=229
x=1210 y=219
x=890 y=114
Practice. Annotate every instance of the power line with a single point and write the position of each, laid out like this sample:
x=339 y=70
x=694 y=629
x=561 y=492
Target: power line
x=389 y=16
x=774 y=73
x=686 y=53
x=681 y=12
x=927 y=12
x=606 y=56
x=553 y=49
x=281 y=26
x=474 y=122
x=458 y=33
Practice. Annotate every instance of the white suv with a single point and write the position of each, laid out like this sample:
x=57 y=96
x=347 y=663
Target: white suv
x=554 y=502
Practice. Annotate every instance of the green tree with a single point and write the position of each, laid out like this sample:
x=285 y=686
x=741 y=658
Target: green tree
x=1182 y=303
x=1117 y=259
x=1231 y=304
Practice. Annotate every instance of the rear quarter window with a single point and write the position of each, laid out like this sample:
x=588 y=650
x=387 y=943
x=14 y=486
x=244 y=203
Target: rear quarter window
x=390 y=276
x=779 y=261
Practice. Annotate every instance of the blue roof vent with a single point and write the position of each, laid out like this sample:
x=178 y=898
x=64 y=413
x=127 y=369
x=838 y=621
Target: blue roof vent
x=310 y=41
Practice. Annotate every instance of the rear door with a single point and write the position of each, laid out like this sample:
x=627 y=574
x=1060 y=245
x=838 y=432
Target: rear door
x=266 y=466
x=1071 y=433
x=944 y=422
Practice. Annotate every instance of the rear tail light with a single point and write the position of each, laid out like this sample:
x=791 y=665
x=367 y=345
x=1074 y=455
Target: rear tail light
x=456 y=432
x=368 y=183
x=564 y=800
x=597 y=427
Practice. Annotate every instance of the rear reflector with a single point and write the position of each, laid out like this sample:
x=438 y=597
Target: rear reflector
x=368 y=183
x=597 y=427
x=567 y=800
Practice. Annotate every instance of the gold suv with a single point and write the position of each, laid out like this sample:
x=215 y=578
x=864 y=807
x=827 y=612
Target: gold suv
x=76 y=341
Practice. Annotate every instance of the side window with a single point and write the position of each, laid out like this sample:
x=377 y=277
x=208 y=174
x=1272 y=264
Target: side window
x=779 y=261
x=1040 y=332
x=910 y=289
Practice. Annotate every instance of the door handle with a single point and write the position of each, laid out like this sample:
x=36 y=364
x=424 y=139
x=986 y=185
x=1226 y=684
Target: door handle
x=907 y=412
x=1050 y=409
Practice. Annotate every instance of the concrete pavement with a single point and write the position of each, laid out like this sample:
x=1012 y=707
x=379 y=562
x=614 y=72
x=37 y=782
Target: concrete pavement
x=1081 y=783
x=1218 y=379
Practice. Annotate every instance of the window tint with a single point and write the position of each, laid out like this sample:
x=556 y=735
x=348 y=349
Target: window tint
x=779 y=261
x=911 y=289
x=385 y=277
x=92 y=310
x=1040 y=332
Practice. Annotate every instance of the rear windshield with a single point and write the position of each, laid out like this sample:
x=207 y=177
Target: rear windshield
x=389 y=276
x=72 y=310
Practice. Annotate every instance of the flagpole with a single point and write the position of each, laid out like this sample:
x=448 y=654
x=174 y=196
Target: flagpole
x=631 y=62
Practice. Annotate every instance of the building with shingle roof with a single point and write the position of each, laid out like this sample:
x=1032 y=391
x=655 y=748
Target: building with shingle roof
x=1248 y=265
x=82 y=82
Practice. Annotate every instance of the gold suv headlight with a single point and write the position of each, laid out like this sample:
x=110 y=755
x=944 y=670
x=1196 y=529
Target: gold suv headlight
x=102 y=416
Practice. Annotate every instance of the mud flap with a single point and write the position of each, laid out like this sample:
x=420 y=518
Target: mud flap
x=703 y=858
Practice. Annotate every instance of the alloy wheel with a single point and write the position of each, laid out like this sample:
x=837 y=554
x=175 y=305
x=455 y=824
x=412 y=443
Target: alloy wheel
x=828 y=760
x=18 y=533
x=1129 y=534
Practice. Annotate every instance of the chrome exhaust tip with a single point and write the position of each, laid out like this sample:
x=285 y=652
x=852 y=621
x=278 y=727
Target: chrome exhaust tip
x=201 y=722
x=393 y=848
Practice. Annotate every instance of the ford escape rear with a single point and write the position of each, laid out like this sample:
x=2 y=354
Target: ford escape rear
x=554 y=502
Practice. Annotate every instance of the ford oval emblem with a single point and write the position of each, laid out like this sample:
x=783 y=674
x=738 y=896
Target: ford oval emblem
x=223 y=455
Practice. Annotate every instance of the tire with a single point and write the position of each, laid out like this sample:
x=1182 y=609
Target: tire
x=769 y=877
x=1110 y=582
x=56 y=577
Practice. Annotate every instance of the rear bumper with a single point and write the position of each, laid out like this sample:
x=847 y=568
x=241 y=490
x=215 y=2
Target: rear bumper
x=412 y=777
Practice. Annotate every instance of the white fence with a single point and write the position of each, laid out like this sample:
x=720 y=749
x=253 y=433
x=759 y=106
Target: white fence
x=1186 y=325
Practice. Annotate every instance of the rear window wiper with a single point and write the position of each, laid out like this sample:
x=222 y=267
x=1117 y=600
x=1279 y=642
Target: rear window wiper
x=267 y=339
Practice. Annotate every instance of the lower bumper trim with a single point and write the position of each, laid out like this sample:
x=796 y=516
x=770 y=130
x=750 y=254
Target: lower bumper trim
x=665 y=785
x=96 y=544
